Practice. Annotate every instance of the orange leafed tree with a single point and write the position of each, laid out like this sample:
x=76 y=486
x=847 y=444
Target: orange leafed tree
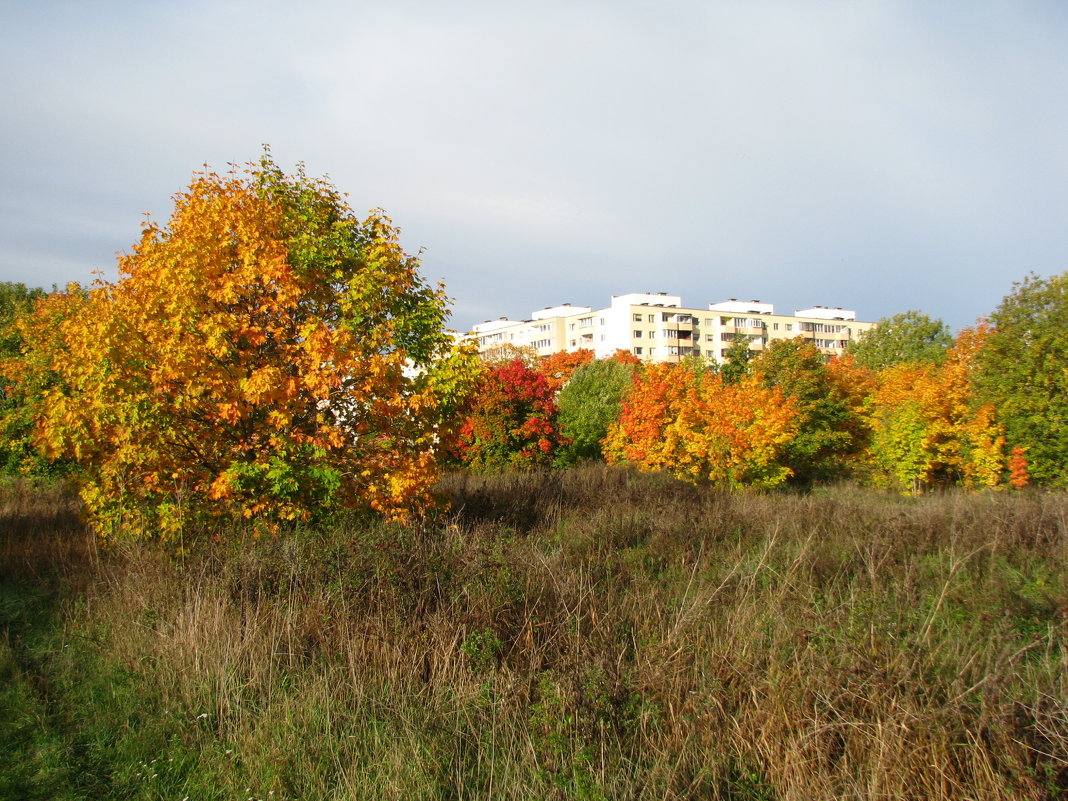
x=254 y=359
x=927 y=428
x=690 y=423
x=559 y=367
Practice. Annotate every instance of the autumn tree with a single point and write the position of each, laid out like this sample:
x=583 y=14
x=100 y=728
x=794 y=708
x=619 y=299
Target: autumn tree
x=929 y=429
x=265 y=354
x=1022 y=369
x=911 y=336
x=827 y=426
x=16 y=425
x=509 y=421
x=588 y=404
x=559 y=367
x=690 y=423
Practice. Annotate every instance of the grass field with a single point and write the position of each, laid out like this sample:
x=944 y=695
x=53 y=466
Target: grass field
x=590 y=634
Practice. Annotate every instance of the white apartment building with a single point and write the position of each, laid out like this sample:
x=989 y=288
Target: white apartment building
x=657 y=327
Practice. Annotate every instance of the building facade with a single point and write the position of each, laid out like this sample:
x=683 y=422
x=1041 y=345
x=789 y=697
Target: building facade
x=657 y=327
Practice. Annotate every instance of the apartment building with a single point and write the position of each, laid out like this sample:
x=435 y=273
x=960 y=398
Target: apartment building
x=657 y=327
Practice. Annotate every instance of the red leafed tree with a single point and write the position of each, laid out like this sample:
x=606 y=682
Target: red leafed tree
x=1019 y=477
x=510 y=420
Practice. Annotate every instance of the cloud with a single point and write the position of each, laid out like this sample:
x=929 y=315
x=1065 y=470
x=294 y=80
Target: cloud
x=876 y=155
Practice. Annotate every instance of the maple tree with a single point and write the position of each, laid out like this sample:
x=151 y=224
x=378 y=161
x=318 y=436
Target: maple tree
x=265 y=354
x=828 y=428
x=509 y=421
x=1018 y=474
x=559 y=367
x=685 y=420
x=16 y=423
x=927 y=427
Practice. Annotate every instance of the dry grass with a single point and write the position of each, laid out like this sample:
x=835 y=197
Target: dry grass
x=586 y=634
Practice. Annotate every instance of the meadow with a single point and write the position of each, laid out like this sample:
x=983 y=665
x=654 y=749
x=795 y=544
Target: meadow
x=593 y=633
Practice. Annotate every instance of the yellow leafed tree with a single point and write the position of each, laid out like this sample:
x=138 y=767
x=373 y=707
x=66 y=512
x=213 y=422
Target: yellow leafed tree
x=265 y=355
x=690 y=423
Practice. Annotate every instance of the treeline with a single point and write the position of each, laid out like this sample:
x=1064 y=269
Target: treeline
x=269 y=356
x=909 y=407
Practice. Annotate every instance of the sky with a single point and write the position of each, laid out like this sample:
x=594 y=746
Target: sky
x=875 y=155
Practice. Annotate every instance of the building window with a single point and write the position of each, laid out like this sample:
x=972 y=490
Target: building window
x=602 y=321
x=652 y=318
x=708 y=322
x=637 y=318
x=789 y=326
x=637 y=333
x=638 y=351
x=652 y=334
x=775 y=326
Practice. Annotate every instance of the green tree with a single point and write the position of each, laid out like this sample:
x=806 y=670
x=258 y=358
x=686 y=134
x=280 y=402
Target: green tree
x=1022 y=369
x=825 y=418
x=911 y=336
x=738 y=357
x=588 y=404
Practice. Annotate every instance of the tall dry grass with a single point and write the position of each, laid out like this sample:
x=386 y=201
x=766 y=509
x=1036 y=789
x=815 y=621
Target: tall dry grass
x=587 y=634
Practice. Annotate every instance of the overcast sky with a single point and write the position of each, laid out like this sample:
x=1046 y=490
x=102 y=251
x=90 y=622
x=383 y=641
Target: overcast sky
x=875 y=155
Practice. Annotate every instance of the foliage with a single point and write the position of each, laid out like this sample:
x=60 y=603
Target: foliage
x=738 y=357
x=254 y=360
x=16 y=452
x=694 y=426
x=588 y=404
x=1018 y=475
x=827 y=425
x=509 y=420
x=1023 y=370
x=559 y=367
x=623 y=357
x=911 y=336
x=927 y=428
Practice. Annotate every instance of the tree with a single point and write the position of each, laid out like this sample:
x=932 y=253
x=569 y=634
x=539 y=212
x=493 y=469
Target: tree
x=558 y=367
x=509 y=421
x=1022 y=370
x=827 y=426
x=908 y=337
x=16 y=427
x=927 y=427
x=588 y=404
x=738 y=357
x=266 y=354
x=691 y=424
